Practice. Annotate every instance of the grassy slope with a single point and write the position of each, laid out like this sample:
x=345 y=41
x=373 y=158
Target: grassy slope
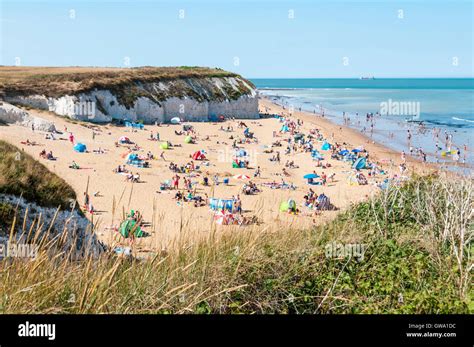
x=56 y=81
x=20 y=174
x=410 y=266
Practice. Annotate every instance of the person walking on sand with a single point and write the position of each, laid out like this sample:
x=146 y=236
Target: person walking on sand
x=324 y=178
x=257 y=172
x=162 y=156
x=403 y=156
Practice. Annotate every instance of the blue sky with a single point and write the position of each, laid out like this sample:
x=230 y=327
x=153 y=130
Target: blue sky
x=254 y=38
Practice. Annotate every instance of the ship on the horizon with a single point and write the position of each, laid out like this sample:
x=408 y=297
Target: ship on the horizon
x=367 y=78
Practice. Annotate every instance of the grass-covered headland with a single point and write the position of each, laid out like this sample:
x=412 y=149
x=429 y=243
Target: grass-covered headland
x=22 y=175
x=417 y=259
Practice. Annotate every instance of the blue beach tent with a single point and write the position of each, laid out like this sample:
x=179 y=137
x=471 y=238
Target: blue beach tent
x=80 y=147
x=359 y=164
x=325 y=146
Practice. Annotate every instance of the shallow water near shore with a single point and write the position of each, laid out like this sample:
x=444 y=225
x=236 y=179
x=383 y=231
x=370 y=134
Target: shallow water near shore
x=445 y=104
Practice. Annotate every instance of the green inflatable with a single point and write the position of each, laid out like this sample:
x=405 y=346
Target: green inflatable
x=130 y=227
x=284 y=207
x=164 y=145
x=188 y=139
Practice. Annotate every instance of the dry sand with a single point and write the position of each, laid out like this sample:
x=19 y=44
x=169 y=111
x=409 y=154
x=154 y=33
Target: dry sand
x=166 y=220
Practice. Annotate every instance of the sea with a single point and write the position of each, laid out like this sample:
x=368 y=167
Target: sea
x=422 y=106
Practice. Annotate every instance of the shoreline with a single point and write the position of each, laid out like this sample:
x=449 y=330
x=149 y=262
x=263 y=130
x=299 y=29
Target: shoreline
x=392 y=133
x=353 y=137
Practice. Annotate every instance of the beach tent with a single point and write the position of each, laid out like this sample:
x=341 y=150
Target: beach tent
x=316 y=155
x=291 y=205
x=324 y=203
x=325 y=146
x=359 y=164
x=284 y=128
x=344 y=152
x=199 y=155
x=134 y=159
x=284 y=206
x=132 y=156
x=80 y=147
x=188 y=139
x=175 y=120
x=134 y=125
x=241 y=153
x=164 y=145
x=221 y=204
x=124 y=139
x=130 y=227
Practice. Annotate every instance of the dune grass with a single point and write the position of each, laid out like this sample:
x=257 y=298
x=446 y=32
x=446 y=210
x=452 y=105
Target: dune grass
x=418 y=259
x=59 y=81
x=22 y=175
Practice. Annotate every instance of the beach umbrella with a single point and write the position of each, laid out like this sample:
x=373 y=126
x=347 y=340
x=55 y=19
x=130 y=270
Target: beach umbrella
x=175 y=120
x=124 y=139
x=164 y=145
x=242 y=177
x=356 y=150
x=310 y=176
x=188 y=139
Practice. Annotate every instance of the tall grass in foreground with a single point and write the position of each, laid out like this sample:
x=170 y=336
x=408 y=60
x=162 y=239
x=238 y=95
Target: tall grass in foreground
x=418 y=259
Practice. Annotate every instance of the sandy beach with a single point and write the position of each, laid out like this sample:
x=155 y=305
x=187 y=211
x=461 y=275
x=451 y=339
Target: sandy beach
x=166 y=219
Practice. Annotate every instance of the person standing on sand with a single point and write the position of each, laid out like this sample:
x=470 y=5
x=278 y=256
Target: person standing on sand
x=403 y=156
x=238 y=204
x=176 y=181
x=162 y=156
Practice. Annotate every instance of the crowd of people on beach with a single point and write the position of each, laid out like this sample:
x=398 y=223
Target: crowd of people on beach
x=292 y=145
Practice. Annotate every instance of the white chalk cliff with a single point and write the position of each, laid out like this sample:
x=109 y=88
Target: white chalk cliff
x=11 y=114
x=191 y=99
